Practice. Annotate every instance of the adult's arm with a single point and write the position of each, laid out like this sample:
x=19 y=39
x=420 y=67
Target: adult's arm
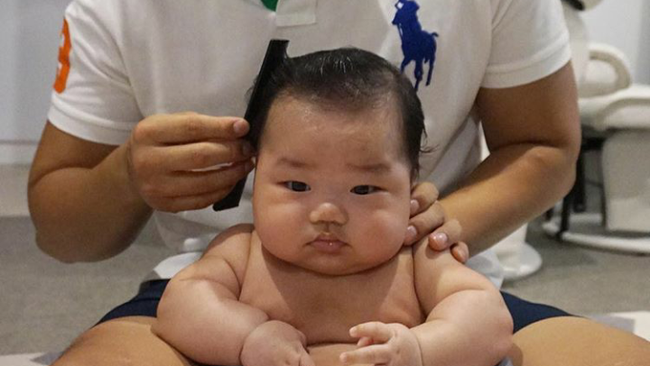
x=89 y=201
x=81 y=200
x=533 y=134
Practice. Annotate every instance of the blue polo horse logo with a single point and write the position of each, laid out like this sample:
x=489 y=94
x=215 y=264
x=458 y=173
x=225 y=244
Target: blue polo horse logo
x=418 y=45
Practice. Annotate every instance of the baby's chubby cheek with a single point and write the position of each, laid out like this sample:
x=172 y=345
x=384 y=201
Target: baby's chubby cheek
x=392 y=231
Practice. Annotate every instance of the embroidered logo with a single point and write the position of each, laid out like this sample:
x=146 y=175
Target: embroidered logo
x=63 y=70
x=418 y=46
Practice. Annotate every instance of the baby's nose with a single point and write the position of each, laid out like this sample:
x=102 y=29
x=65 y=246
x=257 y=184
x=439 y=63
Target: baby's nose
x=328 y=212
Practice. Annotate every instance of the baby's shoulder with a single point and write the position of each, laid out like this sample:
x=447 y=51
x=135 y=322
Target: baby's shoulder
x=233 y=246
x=232 y=237
x=232 y=241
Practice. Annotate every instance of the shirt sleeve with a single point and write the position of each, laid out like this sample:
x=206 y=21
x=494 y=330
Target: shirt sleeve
x=530 y=41
x=92 y=97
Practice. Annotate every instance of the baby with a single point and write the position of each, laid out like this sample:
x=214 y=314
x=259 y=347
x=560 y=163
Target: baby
x=322 y=277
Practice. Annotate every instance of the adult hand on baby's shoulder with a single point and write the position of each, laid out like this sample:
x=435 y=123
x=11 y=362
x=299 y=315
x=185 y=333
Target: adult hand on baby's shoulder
x=275 y=343
x=428 y=219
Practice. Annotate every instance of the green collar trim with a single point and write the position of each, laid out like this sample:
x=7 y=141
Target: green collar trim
x=270 y=4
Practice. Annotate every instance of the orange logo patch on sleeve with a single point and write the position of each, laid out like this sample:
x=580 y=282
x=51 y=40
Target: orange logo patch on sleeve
x=63 y=70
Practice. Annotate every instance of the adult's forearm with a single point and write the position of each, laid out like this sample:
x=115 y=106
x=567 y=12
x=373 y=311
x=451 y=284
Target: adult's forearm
x=87 y=214
x=512 y=186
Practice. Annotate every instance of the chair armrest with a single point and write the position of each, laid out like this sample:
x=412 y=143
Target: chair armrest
x=608 y=71
x=626 y=109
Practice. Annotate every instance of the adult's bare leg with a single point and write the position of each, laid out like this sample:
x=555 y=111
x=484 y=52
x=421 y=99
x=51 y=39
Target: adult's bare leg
x=573 y=341
x=123 y=341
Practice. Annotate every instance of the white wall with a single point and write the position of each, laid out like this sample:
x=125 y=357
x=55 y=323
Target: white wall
x=624 y=24
x=29 y=39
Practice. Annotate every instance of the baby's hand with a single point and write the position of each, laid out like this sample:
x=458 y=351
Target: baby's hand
x=275 y=343
x=383 y=344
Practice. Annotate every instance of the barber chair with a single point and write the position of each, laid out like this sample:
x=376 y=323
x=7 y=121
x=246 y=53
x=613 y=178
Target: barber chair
x=615 y=117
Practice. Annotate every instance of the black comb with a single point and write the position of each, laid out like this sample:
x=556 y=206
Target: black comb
x=275 y=54
x=577 y=4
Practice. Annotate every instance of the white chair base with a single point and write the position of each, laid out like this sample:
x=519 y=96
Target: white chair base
x=586 y=229
x=529 y=262
x=518 y=258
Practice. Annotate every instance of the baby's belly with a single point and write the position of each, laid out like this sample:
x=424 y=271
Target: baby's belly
x=324 y=308
x=324 y=328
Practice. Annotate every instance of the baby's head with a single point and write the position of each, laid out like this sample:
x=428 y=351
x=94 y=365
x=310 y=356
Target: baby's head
x=347 y=80
x=338 y=140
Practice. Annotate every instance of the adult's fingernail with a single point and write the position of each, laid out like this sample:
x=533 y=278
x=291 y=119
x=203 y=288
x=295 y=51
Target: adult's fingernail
x=411 y=233
x=240 y=127
x=463 y=256
x=415 y=205
x=441 y=239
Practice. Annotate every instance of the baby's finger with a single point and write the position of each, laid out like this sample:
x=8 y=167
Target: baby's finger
x=306 y=360
x=378 y=331
x=376 y=354
x=365 y=341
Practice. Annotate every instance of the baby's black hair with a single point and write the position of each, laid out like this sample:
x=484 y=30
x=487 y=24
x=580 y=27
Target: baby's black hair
x=347 y=79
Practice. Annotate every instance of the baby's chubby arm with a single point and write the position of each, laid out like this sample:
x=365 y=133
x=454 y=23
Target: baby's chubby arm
x=468 y=322
x=199 y=313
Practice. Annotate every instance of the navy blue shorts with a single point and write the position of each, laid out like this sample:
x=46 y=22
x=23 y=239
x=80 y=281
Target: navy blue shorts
x=146 y=302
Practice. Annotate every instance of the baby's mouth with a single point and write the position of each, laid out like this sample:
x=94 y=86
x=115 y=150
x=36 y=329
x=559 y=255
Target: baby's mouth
x=329 y=244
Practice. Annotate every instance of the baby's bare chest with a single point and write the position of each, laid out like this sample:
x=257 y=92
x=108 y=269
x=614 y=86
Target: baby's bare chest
x=324 y=308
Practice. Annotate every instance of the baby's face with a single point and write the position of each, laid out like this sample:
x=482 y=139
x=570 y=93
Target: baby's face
x=332 y=188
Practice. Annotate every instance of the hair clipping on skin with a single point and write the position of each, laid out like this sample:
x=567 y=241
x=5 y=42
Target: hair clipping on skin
x=276 y=52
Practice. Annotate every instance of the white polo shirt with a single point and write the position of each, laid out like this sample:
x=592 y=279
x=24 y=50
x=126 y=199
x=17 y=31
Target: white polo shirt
x=130 y=59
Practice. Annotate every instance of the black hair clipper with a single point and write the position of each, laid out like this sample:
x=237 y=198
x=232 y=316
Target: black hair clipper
x=275 y=54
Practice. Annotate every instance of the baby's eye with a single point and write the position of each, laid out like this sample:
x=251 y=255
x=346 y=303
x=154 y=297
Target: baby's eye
x=297 y=186
x=363 y=190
